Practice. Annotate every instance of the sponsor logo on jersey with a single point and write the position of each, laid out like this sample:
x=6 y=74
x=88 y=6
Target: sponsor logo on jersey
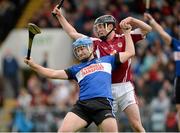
x=92 y=68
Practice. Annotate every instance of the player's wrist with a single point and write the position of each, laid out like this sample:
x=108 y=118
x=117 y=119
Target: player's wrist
x=151 y=21
x=126 y=32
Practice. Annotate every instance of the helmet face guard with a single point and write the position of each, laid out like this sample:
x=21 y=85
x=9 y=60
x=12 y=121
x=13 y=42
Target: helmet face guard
x=104 y=21
x=82 y=42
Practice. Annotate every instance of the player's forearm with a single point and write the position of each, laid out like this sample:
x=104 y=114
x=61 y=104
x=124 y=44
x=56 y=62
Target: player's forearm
x=129 y=45
x=129 y=50
x=46 y=72
x=41 y=70
x=69 y=29
x=165 y=36
x=145 y=28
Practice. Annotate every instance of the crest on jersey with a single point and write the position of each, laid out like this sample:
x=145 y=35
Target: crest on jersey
x=119 y=44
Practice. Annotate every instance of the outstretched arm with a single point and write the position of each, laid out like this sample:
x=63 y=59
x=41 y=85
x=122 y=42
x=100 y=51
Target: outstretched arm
x=70 y=30
x=129 y=50
x=47 y=72
x=165 y=36
x=145 y=28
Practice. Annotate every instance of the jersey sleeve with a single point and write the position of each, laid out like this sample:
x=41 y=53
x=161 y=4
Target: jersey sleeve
x=136 y=35
x=96 y=50
x=115 y=60
x=70 y=72
x=175 y=44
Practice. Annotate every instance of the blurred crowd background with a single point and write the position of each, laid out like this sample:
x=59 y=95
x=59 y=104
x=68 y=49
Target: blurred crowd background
x=29 y=102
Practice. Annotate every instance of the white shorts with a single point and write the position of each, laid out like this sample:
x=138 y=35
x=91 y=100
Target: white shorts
x=123 y=94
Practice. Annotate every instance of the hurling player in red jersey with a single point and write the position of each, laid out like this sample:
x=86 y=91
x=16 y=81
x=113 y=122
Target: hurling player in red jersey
x=108 y=43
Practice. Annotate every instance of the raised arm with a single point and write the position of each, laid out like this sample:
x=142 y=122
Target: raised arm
x=145 y=28
x=70 y=30
x=47 y=72
x=129 y=50
x=165 y=36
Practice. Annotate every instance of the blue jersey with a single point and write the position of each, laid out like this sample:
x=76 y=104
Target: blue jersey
x=94 y=77
x=176 y=51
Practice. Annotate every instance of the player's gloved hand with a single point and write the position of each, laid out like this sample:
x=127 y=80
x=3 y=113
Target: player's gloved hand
x=56 y=11
x=148 y=18
x=29 y=62
x=126 y=28
x=128 y=20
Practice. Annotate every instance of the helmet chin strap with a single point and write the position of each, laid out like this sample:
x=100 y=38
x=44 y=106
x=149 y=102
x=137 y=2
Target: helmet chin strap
x=104 y=38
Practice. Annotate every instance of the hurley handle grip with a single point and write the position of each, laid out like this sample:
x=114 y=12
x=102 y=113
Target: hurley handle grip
x=28 y=54
x=59 y=6
x=147 y=6
x=31 y=36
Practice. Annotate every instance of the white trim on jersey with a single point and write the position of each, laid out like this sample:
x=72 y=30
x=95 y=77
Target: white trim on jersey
x=98 y=52
x=104 y=67
x=125 y=77
x=137 y=31
x=176 y=55
x=95 y=39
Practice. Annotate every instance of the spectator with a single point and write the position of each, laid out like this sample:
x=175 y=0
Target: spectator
x=1 y=92
x=159 y=109
x=24 y=99
x=11 y=71
x=175 y=43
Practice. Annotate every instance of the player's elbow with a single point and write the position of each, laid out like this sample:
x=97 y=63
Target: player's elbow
x=74 y=34
x=131 y=54
x=149 y=28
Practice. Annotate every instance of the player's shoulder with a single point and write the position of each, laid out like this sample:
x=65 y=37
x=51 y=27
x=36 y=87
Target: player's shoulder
x=76 y=66
x=107 y=57
x=95 y=39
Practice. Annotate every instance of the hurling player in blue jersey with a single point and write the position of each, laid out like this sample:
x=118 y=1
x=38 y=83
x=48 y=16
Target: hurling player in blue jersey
x=94 y=78
x=176 y=50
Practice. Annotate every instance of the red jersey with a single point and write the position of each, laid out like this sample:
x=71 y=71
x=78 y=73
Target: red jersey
x=117 y=44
